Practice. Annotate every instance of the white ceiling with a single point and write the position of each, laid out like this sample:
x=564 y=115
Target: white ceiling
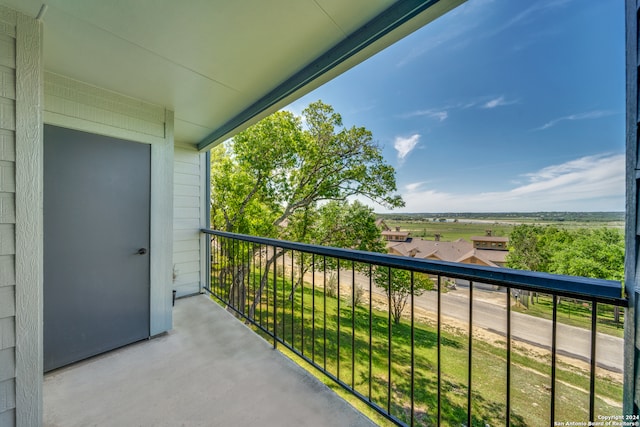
x=206 y=60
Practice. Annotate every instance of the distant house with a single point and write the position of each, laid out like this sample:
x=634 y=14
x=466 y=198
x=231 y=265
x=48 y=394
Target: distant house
x=490 y=243
x=479 y=252
x=486 y=250
x=392 y=235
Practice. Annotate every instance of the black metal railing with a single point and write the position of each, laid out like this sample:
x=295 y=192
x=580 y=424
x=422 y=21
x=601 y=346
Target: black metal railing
x=426 y=342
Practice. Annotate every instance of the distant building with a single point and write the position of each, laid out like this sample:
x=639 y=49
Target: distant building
x=486 y=250
x=481 y=251
x=490 y=243
x=392 y=235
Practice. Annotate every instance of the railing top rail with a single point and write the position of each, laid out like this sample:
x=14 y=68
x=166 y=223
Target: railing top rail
x=608 y=291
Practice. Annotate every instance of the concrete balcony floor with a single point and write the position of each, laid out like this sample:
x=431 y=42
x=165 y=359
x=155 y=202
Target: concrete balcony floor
x=210 y=370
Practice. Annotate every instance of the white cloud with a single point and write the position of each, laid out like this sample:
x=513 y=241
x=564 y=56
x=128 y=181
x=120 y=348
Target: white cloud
x=529 y=14
x=497 y=102
x=434 y=113
x=414 y=186
x=405 y=145
x=590 y=115
x=592 y=183
x=442 y=113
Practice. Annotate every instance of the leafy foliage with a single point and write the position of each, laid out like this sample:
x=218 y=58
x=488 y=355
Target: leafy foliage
x=398 y=285
x=591 y=253
x=270 y=179
x=597 y=253
x=291 y=177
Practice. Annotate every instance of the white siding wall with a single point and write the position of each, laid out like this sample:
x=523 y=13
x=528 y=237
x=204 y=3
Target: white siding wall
x=189 y=251
x=7 y=219
x=77 y=105
x=21 y=79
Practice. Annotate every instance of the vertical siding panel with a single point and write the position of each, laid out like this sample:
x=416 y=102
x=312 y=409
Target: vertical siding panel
x=7 y=240
x=7 y=270
x=7 y=177
x=28 y=229
x=7 y=335
x=7 y=146
x=7 y=395
x=7 y=302
x=162 y=201
x=7 y=217
x=187 y=254
x=7 y=364
x=8 y=418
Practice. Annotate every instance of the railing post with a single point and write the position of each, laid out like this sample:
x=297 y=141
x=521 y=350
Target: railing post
x=632 y=263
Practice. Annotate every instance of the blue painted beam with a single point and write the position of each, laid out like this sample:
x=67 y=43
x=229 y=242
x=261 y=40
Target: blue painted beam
x=393 y=17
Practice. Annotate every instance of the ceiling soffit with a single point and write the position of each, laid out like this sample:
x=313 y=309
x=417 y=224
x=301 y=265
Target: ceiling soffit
x=219 y=65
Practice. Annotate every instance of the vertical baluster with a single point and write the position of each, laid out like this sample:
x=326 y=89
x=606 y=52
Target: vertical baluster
x=389 y=341
x=324 y=313
x=275 y=300
x=245 y=268
x=218 y=256
x=439 y=314
x=413 y=339
x=338 y=296
x=284 y=314
x=353 y=325
x=233 y=286
x=258 y=303
x=267 y=289
x=313 y=308
x=213 y=264
x=370 y=324
x=592 y=379
x=508 y=406
x=470 y=366
x=301 y=302
x=553 y=358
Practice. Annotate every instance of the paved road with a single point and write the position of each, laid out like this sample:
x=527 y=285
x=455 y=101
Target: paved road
x=490 y=313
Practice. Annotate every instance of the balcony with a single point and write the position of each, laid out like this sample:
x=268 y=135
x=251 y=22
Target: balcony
x=463 y=356
x=209 y=370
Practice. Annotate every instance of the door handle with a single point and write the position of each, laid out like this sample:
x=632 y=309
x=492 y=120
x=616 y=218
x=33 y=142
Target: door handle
x=142 y=251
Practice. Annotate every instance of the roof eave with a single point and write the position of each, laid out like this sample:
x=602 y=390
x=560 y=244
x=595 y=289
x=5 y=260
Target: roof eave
x=392 y=19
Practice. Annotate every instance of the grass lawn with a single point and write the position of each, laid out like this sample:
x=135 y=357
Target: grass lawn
x=313 y=331
x=502 y=227
x=450 y=231
x=576 y=313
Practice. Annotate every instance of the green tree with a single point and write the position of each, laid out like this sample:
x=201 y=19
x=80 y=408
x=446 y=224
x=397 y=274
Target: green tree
x=595 y=253
x=337 y=223
x=398 y=285
x=283 y=167
x=583 y=252
x=277 y=179
x=531 y=247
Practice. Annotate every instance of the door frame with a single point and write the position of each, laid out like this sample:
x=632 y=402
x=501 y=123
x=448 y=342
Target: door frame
x=84 y=287
x=161 y=215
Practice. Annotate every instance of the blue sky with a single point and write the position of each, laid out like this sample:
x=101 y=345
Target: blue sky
x=500 y=105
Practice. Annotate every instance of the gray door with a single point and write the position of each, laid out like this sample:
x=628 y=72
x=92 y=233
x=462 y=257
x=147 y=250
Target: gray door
x=96 y=240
